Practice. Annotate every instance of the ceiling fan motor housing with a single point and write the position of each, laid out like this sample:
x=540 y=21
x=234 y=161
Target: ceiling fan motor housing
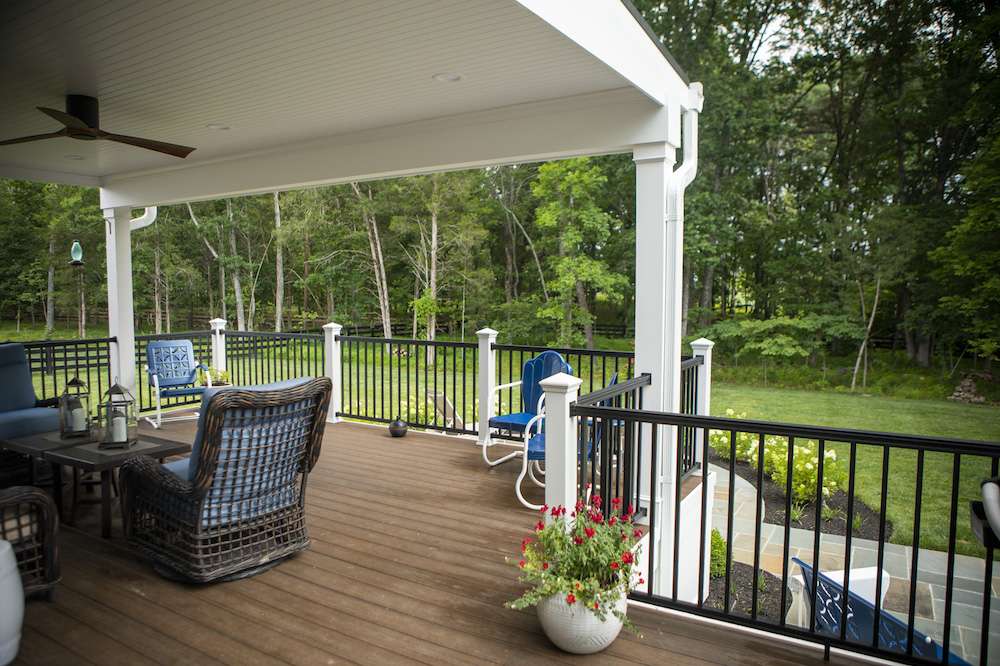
x=85 y=108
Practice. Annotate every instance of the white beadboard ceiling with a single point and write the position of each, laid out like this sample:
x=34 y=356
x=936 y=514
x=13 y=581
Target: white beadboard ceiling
x=274 y=71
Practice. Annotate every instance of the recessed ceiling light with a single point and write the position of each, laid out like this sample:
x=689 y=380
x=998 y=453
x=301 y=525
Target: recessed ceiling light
x=74 y=157
x=217 y=126
x=447 y=77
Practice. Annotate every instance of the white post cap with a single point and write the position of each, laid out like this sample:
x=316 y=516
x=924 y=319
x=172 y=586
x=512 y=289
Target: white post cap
x=486 y=333
x=560 y=383
x=217 y=324
x=335 y=328
x=702 y=343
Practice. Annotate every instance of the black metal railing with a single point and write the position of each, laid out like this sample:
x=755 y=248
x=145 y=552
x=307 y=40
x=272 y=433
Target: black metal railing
x=428 y=384
x=690 y=367
x=145 y=396
x=830 y=498
x=55 y=362
x=254 y=357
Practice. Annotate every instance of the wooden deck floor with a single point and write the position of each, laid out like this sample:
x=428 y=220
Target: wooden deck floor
x=406 y=566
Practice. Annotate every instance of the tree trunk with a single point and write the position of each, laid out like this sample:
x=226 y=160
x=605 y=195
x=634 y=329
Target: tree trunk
x=50 y=292
x=868 y=329
x=279 y=268
x=706 y=300
x=305 y=277
x=241 y=321
x=588 y=326
x=166 y=302
x=432 y=269
x=157 y=296
x=378 y=264
x=211 y=292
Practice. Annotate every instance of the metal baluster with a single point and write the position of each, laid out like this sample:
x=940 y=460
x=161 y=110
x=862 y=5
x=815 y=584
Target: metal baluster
x=914 y=561
x=949 y=591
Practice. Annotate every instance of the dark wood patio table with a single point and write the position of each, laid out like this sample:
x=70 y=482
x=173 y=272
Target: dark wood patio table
x=37 y=446
x=89 y=457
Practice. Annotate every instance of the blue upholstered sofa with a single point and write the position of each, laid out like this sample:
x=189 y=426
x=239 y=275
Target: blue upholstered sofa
x=21 y=413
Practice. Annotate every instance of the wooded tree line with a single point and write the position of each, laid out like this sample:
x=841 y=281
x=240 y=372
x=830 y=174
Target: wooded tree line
x=848 y=186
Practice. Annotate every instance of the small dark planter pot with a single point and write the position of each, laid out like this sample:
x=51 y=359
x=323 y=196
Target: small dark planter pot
x=398 y=427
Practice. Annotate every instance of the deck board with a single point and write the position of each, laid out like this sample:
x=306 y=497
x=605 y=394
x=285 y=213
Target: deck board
x=407 y=565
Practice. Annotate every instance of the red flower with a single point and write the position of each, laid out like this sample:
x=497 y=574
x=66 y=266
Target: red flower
x=545 y=508
x=612 y=520
x=539 y=526
x=628 y=557
x=616 y=502
x=579 y=504
x=624 y=537
x=589 y=532
x=642 y=581
x=577 y=540
x=596 y=605
x=545 y=566
x=596 y=501
x=521 y=564
x=614 y=565
x=570 y=599
x=637 y=533
x=524 y=543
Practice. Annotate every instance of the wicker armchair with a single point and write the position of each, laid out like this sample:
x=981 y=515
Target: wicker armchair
x=29 y=522
x=236 y=506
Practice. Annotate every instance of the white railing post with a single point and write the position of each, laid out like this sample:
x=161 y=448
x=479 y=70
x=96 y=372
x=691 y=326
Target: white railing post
x=218 y=344
x=703 y=348
x=487 y=379
x=561 y=391
x=332 y=368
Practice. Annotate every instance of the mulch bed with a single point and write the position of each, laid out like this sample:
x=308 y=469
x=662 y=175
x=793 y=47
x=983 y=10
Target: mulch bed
x=741 y=586
x=834 y=523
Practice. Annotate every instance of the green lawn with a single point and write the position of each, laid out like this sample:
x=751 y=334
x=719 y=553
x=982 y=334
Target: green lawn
x=923 y=417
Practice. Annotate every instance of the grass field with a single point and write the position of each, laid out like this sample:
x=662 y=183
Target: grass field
x=923 y=417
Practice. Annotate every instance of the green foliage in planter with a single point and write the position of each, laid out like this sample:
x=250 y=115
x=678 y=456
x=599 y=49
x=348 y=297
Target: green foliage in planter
x=805 y=461
x=584 y=558
x=218 y=376
x=717 y=563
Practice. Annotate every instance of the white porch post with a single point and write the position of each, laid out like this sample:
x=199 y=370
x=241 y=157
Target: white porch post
x=121 y=324
x=218 y=344
x=332 y=363
x=561 y=391
x=658 y=279
x=702 y=347
x=487 y=378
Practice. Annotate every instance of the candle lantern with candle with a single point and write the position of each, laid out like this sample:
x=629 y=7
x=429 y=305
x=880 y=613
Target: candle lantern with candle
x=74 y=409
x=119 y=423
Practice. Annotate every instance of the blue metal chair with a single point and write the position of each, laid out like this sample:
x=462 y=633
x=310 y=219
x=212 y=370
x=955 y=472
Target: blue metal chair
x=533 y=453
x=172 y=373
x=892 y=632
x=544 y=365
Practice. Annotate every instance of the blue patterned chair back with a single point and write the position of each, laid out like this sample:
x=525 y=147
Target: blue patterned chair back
x=892 y=632
x=544 y=365
x=172 y=361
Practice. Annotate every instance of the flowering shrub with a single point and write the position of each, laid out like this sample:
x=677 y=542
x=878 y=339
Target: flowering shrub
x=585 y=559
x=805 y=461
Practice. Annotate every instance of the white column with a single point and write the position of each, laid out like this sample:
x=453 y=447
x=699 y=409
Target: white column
x=332 y=362
x=487 y=378
x=121 y=324
x=218 y=344
x=658 y=280
x=561 y=391
x=703 y=347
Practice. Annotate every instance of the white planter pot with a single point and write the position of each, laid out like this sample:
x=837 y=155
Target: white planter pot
x=11 y=604
x=576 y=629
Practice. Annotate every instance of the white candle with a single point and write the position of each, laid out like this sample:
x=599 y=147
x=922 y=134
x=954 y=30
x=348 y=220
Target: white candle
x=119 y=427
x=78 y=419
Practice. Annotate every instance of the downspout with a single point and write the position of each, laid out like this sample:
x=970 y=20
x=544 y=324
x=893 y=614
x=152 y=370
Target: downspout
x=149 y=216
x=685 y=173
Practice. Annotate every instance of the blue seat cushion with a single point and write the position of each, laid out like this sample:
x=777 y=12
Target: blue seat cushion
x=515 y=422
x=536 y=448
x=15 y=378
x=24 y=422
x=178 y=392
x=178 y=467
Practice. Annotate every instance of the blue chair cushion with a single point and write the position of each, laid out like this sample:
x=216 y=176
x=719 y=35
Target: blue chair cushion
x=536 y=448
x=178 y=467
x=15 y=377
x=24 y=422
x=179 y=392
x=515 y=422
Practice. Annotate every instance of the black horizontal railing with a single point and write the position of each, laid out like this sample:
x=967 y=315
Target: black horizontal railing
x=426 y=383
x=257 y=357
x=55 y=362
x=813 y=499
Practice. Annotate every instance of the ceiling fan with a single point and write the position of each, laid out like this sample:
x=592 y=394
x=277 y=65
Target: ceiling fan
x=81 y=122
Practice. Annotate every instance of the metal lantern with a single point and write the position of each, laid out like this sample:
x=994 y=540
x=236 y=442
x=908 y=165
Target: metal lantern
x=119 y=423
x=74 y=409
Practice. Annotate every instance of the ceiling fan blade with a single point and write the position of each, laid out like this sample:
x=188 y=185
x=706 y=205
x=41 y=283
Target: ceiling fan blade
x=149 y=144
x=66 y=119
x=33 y=137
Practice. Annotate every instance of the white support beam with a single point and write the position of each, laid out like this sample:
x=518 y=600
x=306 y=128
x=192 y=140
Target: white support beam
x=121 y=323
x=597 y=123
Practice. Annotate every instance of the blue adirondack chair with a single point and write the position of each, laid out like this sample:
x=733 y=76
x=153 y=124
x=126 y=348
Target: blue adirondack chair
x=172 y=372
x=533 y=453
x=892 y=632
x=544 y=365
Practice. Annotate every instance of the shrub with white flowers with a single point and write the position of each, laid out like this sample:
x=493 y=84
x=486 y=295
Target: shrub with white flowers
x=805 y=461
